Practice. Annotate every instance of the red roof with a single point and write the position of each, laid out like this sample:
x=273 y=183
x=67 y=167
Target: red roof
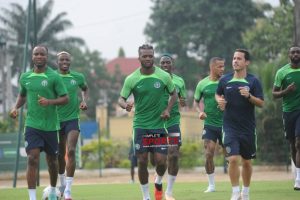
x=126 y=65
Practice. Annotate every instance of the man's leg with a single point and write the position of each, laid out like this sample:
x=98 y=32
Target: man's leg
x=132 y=171
x=209 y=147
x=143 y=174
x=234 y=175
x=62 y=162
x=33 y=157
x=297 y=164
x=160 y=160
x=53 y=173
x=246 y=176
x=173 y=167
x=72 y=139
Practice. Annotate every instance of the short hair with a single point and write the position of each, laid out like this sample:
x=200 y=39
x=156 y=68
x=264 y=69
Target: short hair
x=246 y=53
x=63 y=52
x=145 y=46
x=294 y=46
x=167 y=55
x=41 y=45
x=214 y=59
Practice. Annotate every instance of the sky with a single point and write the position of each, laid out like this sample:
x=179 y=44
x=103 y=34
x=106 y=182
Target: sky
x=106 y=25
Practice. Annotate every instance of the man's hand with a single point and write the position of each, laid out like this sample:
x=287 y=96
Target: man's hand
x=165 y=115
x=182 y=102
x=222 y=103
x=83 y=106
x=43 y=101
x=14 y=113
x=202 y=115
x=129 y=106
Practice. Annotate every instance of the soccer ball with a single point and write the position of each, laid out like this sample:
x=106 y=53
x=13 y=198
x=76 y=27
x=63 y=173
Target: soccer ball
x=46 y=192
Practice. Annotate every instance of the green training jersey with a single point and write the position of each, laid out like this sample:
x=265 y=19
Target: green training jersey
x=49 y=85
x=206 y=89
x=283 y=78
x=148 y=92
x=180 y=90
x=73 y=81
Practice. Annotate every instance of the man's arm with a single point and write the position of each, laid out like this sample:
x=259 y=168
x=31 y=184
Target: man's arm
x=278 y=93
x=84 y=98
x=197 y=106
x=125 y=105
x=58 y=101
x=19 y=103
x=171 y=102
x=221 y=101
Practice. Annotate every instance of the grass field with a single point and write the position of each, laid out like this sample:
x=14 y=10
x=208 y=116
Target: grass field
x=260 y=190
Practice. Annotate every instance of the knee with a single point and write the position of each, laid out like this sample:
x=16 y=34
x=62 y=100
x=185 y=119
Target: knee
x=246 y=164
x=32 y=160
x=233 y=160
x=209 y=155
x=71 y=152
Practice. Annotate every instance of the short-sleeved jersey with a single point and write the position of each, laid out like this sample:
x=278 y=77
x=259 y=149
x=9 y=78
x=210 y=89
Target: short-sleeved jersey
x=49 y=85
x=73 y=81
x=206 y=89
x=180 y=90
x=283 y=78
x=239 y=114
x=148 y=92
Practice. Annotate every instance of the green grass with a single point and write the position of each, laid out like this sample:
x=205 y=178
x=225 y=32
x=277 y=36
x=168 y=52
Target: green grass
x=260 y=190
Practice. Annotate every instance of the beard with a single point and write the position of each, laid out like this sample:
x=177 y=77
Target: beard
x=295 y=61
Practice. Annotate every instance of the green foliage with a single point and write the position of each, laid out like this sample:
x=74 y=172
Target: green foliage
x=263 y=38
x=8 y=126
x=112 y=154
x=48 y=31
x=199 y=29
x=121 y=53
x=92 y=66
x=269 y=42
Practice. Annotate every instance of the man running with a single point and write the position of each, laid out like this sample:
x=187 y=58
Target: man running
x=211 y=114
x=69 y=121
x=148 y=85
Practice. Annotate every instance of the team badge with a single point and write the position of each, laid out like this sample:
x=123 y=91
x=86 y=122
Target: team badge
x=73 y=82
x=228 y=149
x=137 y=147
x=44 y=83
x=157 y=84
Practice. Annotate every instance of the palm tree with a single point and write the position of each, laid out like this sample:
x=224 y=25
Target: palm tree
x=48 y=31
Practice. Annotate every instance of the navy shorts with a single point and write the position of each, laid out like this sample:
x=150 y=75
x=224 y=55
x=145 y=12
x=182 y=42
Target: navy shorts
x=174 y=135
x=44 y=140
x=212 y=133
x=150 y=140
x=291 y=123
x=237 y=143
x=70 y=125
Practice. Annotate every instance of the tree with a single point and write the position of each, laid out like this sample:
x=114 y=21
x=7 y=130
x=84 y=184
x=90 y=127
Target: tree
x=91 y=65
x=199 y=29
x=297 y=21
x=48 y=30
x=121 y=53
x=268 y=43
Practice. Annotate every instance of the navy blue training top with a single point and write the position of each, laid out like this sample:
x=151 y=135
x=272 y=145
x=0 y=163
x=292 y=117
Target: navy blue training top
x=239 y=114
